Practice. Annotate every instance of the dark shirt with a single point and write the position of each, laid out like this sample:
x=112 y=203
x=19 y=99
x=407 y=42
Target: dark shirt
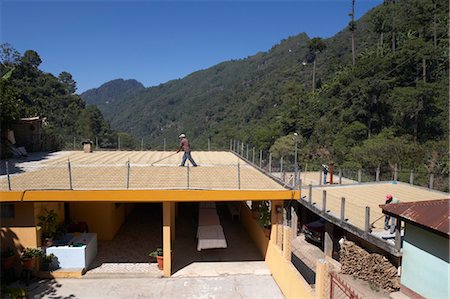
x=184 y=144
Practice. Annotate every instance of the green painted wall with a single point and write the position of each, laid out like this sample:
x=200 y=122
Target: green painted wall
x=425 y=266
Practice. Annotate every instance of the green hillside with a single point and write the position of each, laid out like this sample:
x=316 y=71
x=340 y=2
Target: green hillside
x=27 y=91
x=391 y=107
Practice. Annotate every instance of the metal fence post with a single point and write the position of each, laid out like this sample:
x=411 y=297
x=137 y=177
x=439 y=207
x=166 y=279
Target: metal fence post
x=187 y=175
x=128 y=174
x=320 y=177
x=359 y=175
x=74 y=143
x=342 y=208
x=310 y=194
x=247 y=151
x=70 y=174
x=96 y=143
x=340 y=176
x=209 y=143
x=377 y=174
x=231 y=144
x=238 y=147
x=431 y=181
x=260 y=158
x=270 y=162
x=411 y=177
x=242 y=149
x=239 y=175
x=164 y=146
x=253 y=160
x=118 y=143
x=142 y=144
x=395 y=172
x=367 y=218
x=7 y=173
x=324 y=200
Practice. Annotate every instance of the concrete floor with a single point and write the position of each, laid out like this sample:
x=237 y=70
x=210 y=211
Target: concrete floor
x=229 y=287
x=127 y=254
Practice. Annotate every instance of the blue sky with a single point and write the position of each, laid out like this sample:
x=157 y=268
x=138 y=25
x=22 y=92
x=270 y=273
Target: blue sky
x=157 y=41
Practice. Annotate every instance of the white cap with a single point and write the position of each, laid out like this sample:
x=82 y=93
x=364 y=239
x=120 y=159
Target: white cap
x=182 y=136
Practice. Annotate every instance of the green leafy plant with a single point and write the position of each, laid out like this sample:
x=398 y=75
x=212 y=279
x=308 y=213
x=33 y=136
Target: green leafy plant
x=157 y=252
x=29 y=253
x=264 y=214
x=49 y=224
x=47 y=259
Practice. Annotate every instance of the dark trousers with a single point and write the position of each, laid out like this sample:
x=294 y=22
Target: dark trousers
x=187 y=155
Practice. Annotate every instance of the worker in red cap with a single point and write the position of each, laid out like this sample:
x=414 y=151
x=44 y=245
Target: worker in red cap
x=389 y=200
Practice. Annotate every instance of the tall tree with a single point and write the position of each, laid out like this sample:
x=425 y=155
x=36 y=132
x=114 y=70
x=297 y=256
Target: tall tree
x=352 y=28
x=69 y=84
x=316 y=45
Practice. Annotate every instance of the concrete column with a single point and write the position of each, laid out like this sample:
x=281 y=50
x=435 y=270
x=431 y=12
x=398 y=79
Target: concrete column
x=328 y=239
x=294 y=223
x=172 y=220
x=321 y=279
x=287 y=241
x=167 y=239
x=398 y=237
x=277 y=218
x=320 y=178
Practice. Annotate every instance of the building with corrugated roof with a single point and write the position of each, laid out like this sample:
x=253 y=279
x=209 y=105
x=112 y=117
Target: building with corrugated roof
x=425 y=263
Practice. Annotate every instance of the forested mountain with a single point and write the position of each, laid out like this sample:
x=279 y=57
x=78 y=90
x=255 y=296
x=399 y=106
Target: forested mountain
x=108 y=96
x=390 y=107
x=383 y=104
x=26 y=91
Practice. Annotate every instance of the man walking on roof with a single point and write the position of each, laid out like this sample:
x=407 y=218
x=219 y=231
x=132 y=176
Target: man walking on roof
x=184 y=145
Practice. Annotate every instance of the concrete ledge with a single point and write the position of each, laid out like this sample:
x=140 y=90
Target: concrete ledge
x=62 y=273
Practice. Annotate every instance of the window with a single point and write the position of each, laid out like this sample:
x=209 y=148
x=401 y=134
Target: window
x=8 y=210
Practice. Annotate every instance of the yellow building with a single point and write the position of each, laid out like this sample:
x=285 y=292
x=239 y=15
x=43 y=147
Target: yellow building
x=101 y=188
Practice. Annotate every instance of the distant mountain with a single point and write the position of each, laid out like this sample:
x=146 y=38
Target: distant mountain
x=109 y=94
x=268 y=95
x=224 y=99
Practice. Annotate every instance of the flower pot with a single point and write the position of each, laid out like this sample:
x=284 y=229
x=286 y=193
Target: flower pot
x=160 y=260
x=8 y=262
x=29 y=263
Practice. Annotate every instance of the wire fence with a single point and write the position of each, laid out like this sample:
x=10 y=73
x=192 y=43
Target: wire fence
x=287 y=169
x=75 y=176
x=292 y=171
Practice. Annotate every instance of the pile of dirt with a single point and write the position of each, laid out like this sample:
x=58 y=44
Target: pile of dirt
x=371 y=267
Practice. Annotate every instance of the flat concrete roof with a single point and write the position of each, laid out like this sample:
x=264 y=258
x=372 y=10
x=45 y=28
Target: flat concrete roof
x=137 y=170
x=360 y=196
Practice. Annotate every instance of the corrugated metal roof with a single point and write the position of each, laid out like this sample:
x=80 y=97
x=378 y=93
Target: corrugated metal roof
x=433 y=214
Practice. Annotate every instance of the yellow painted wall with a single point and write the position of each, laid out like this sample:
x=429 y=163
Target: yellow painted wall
x=20 y=231
x=19 y=237
x=254 y=230
x=103 y=218
x=290 y=281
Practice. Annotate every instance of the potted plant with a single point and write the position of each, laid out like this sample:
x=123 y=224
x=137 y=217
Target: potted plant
x=28 y=257
x=8 y=258
x=158 y=254
x=49 y=225
x=264 y=217
x=47 y=261
x=255 y=209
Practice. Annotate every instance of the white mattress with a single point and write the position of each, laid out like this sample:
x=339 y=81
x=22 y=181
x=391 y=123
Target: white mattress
x=211 y=236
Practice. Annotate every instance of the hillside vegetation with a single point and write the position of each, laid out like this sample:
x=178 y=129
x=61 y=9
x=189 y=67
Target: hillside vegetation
x=390 y=107
x=26 y=91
